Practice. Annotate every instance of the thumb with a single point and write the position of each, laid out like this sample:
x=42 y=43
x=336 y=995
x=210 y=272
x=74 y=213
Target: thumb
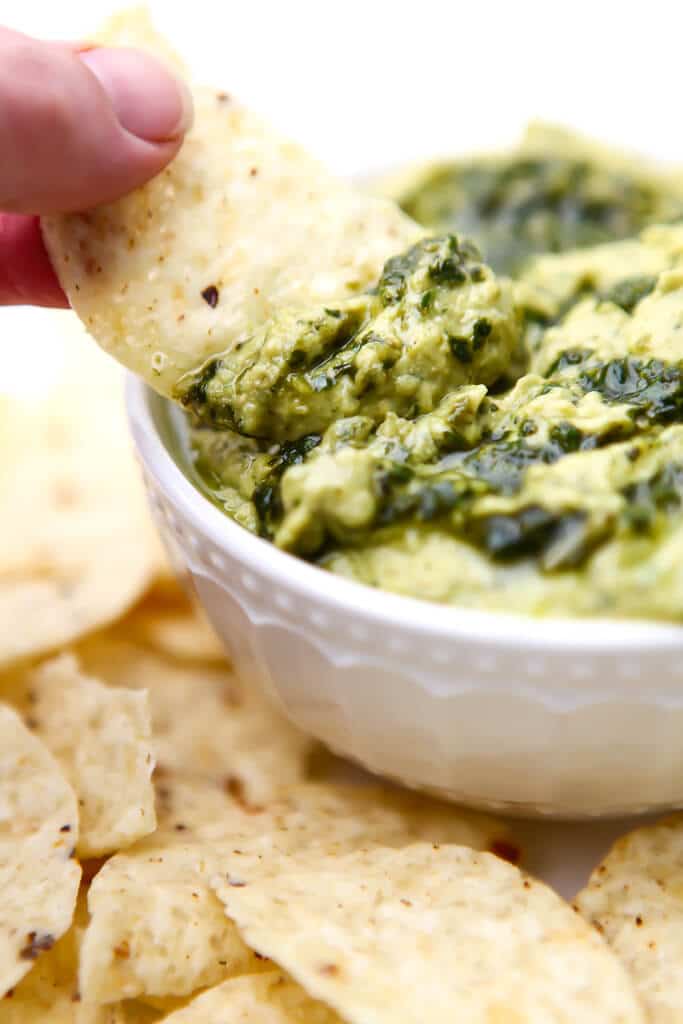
x=79 y=128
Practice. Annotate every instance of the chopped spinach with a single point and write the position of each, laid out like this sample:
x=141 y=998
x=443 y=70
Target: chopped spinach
x=653 y=388
x=628 y=292
x=660 y=493
x=519 y=206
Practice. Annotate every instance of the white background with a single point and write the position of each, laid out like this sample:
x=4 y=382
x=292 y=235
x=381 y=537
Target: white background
x=366 y=85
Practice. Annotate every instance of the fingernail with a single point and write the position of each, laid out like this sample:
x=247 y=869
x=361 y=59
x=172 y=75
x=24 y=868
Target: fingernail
x=147 y=98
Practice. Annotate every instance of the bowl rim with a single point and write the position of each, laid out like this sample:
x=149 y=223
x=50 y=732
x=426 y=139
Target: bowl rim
x=394 y=611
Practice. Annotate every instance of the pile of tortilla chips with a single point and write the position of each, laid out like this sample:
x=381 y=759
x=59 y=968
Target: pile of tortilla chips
x=170 y=848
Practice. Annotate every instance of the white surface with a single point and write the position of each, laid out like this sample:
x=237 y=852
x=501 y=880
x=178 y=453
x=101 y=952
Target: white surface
x=368 y=83
x=31 y=352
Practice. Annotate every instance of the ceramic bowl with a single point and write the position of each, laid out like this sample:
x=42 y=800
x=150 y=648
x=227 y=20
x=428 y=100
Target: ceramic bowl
x=541 y=717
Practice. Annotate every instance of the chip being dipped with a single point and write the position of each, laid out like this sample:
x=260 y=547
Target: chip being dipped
x=241 y=225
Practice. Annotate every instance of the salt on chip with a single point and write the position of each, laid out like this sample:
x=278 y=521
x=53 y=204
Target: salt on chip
x=156 y=927
x=101 y=737
x=38 y=832
x=268 y=998
x=205 y=721
x=240 y=225
x=77 y=547
x=431 y=934
x=635 y=899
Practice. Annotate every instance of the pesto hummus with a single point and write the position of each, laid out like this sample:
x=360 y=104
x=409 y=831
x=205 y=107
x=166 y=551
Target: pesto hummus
x=509 y=444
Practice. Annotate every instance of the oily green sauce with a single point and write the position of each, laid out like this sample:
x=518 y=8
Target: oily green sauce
x=550 y=195
x=453 y=434
x=518 y=209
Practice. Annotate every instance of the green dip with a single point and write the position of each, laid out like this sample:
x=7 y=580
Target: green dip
x=553 y=193
x=467 y=438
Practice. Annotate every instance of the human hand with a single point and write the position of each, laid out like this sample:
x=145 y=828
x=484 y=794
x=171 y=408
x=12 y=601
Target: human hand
x=79 y=126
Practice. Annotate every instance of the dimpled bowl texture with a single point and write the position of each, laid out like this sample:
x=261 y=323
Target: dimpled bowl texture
x=536 y=717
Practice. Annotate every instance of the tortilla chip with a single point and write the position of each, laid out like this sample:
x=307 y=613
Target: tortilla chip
x=101 y=738
x=339 y=816
x=635 y=899
x=431 y=933
x=239 y=226
x=49 y=993
x=269 y=998
x=77 y=547
x=156 y=927
x=336 y=819
x=174 y=628
x=205 y=722
x=133 y=27
x=38 y=831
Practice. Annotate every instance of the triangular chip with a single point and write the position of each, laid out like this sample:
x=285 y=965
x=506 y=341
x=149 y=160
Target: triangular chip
x=38 y=832
x=205 y=721
x=49 y=994
x=101 y=737
x=430 y=933
x=635 y=899
x=240 y=225
x=156 y=927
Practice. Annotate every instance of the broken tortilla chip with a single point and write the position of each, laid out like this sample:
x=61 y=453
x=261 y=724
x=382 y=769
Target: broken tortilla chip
x=205 y=721
x=156 y=927
x=38 y=832
x=101 y=737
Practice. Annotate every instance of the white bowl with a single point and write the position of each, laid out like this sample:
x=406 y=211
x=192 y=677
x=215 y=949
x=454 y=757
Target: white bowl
x=556 y=717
